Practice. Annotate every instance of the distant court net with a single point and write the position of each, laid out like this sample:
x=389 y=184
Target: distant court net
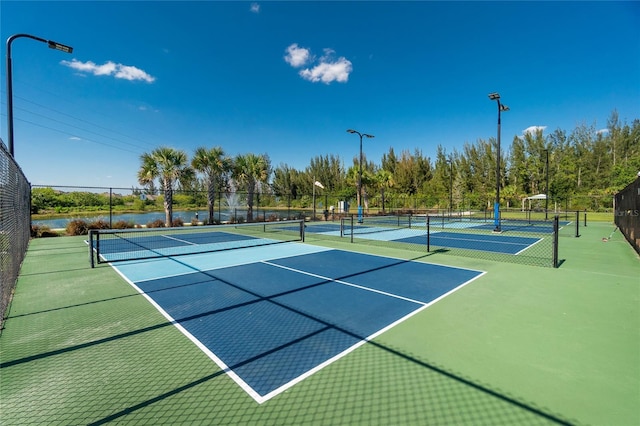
x=480 y=223
x=518 y=240
x=373 y=224
x=136 y=244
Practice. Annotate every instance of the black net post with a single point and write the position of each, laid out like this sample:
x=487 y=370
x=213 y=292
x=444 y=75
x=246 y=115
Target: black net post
x=302 y=230
x=585 y=218
x=351 y=228
x=577 y=224
x=428 y=236
x=93 y=265
x=110 y=208
x=555 y=240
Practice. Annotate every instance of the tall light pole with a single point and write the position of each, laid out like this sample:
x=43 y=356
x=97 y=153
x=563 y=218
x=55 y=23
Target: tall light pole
x=496 y=206
x=450 y=161
x=360 y=172
x=52 y=45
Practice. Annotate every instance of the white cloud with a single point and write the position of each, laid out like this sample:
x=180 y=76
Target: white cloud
x=255 y=8
x=532 y=130
x=327 y=69
x=602 y=131
x=125 y=72
x=328 y=72
x=297 y=56
x=132 y=73
x=74 y=138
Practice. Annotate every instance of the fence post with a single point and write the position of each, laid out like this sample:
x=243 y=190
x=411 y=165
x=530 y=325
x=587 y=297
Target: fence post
x=555 y=241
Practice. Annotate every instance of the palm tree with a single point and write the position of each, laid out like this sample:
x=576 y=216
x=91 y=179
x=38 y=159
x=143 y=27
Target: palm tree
x=168 y=165
x=213 y=163
x=384 y=179
x=250 y=170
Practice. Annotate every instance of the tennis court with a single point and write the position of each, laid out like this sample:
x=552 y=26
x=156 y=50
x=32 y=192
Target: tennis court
x=461 y=233
x=309 y=307
x=321 y=332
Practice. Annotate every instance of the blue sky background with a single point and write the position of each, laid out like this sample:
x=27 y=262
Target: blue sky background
x=288 y=78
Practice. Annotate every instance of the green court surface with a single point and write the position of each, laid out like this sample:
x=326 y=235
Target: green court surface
x=519 y=345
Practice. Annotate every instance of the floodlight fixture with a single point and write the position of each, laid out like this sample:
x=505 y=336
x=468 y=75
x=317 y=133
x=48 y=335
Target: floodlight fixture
x=59 y=46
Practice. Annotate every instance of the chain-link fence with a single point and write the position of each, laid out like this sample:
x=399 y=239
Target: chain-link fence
x=627 y=213
x=15 y=198
x=57 y=205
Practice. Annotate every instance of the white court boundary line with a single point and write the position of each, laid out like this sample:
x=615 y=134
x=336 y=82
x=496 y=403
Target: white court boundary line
x=244 y=385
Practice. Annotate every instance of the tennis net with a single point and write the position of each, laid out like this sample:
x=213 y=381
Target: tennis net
x=518 y=241
x=115 y=245
x=373 y=224
x=488 y=223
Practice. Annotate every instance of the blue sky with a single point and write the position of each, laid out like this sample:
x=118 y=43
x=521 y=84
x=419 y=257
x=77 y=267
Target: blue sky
x=288 y=78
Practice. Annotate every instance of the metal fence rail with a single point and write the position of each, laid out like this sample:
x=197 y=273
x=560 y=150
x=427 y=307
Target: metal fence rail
x=15 y=201
x=627 y=213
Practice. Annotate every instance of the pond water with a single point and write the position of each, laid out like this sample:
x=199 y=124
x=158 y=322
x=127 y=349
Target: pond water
x=144 y=218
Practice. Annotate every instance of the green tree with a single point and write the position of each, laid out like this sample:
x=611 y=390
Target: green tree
x=328 y=171
x=441 y=182
x=168 y=165
x=251 y=170
x=286 y=181
x=384 y=181
x=213 y=164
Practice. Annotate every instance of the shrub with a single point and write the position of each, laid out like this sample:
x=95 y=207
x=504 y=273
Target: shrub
x=158 y=223
x=41 y=231
x=177 y=222
x=236 y=219
x=272 y=218
x=195 y=222
x=123 y=224
x=98 y=224
x=77 y=227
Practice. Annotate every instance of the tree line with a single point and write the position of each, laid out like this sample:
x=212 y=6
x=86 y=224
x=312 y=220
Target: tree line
x=584 y=162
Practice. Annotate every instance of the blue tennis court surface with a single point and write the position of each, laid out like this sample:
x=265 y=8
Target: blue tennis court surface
x=272 y=316
x=486 y=242
x=498 y=243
